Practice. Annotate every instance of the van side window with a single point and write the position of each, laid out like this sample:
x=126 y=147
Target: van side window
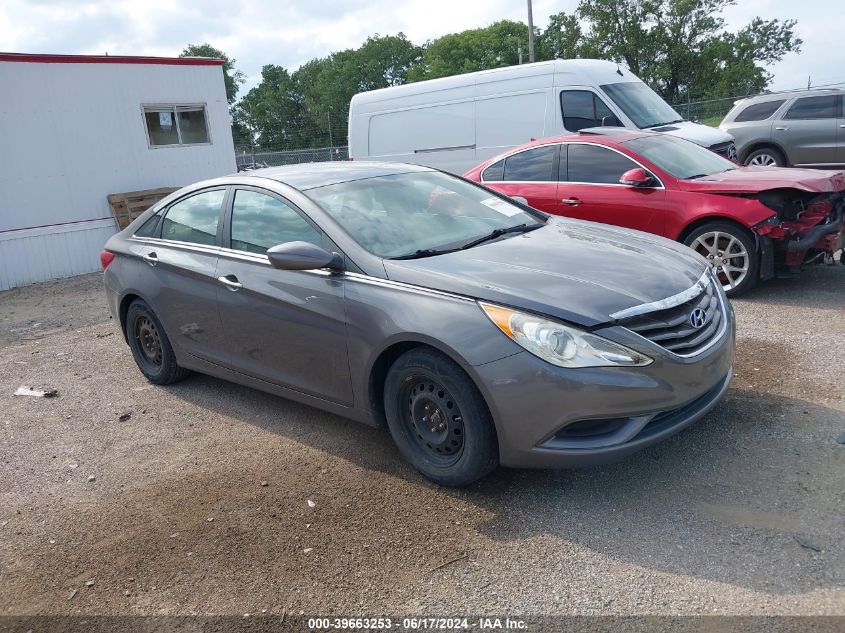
x=534 y=164
x=582 y=109
x=494 y=172
x=594 y=164
x=813 y=108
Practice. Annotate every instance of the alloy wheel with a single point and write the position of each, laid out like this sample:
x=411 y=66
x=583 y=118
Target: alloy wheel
x=726 y=254
x=763 y=160
x=434 y=421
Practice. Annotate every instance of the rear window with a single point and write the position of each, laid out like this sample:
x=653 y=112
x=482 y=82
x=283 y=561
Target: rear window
x=759 y=111
x=814 y=108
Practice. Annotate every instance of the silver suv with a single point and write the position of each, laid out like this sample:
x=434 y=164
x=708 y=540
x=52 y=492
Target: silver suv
x=801 y=129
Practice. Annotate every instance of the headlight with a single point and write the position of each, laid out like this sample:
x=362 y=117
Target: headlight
x=561 y=344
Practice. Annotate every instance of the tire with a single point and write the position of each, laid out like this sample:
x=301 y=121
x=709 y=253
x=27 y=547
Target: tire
x=438 y=419
x=712 y=240
x=766 y=157
x=150 y=346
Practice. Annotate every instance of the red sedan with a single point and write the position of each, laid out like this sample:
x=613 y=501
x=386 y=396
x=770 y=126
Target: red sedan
x=747 y=221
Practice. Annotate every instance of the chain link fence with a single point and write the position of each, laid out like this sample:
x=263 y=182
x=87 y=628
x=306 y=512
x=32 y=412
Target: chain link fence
x=709 y=112
x=259 y=160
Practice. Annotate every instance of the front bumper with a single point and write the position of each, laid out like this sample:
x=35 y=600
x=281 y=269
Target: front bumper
x=534 y=404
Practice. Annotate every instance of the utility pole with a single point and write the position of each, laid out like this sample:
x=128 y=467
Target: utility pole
x=329 y=117
x=530 y=33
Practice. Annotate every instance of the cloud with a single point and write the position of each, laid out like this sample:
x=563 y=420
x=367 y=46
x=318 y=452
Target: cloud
x=260 y=32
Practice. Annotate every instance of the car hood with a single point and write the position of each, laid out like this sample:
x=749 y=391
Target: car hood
x=580 y=272
x=754 y=179
x=703 y=135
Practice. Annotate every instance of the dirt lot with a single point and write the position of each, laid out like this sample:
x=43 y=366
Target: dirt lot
x=166 y=512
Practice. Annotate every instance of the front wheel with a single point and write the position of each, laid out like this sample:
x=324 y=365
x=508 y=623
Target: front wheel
x=731 y=253
x=438 y=419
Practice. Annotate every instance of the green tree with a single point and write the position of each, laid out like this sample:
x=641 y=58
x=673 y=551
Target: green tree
x=681 y=48
x=493 y=46
x=272 y=113
x=231 y=77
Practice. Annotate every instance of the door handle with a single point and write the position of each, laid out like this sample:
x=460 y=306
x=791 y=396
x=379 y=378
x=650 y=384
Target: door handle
x=781 y=128
x=231 y=282
x=843 y=125
x=150 y=258
x=571 y=201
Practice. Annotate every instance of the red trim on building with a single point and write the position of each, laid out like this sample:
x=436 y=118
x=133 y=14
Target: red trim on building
x=108 y=59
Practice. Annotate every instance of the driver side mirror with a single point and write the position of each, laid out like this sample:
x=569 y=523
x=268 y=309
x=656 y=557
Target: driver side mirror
x=303 y=256
x=637 y=177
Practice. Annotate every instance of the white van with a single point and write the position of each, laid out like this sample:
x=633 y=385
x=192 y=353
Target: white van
x=454 y=123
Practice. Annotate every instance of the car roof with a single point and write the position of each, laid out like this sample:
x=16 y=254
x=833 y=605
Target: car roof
x=598 y=135
x=789 y=94
x=305 y=176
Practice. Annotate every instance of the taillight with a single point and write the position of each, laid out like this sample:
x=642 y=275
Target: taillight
x=106 y=258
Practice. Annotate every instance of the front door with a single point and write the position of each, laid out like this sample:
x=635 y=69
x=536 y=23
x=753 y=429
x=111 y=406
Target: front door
x=589 y=189
x=284 y=327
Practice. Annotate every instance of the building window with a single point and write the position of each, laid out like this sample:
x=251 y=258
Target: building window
x=176 y=125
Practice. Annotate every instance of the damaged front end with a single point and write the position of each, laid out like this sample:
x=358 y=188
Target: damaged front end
x=806 y=227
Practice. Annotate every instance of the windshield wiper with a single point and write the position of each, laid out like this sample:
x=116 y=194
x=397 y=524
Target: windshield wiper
x=425 y=252
x=648 y=127
x=495 y=233
x=696 y=176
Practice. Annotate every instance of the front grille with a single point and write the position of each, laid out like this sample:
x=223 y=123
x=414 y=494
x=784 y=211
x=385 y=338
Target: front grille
x=672 y=328
x=726 y=149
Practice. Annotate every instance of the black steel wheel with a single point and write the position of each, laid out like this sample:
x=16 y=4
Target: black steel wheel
x=434 y=420
x=150 y=346
x=439 y=419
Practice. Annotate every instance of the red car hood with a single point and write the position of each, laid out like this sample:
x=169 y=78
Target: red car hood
x=754 y=179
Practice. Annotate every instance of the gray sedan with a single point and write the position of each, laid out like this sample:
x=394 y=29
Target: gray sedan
x=477 y=330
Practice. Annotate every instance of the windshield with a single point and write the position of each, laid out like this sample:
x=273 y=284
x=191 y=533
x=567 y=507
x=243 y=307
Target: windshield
x=401 y=214
x=683 y=159
x=642 y=105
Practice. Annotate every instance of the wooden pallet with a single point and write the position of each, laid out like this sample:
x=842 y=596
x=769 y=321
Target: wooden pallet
x=127 y=206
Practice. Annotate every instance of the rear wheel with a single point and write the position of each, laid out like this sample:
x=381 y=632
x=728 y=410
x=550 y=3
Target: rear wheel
x=438 y=419
x=150 y=346
x=731 y=253
x=766 y=157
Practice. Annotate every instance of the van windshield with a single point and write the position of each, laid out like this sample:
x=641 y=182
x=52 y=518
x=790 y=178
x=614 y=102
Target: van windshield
x=642 y=105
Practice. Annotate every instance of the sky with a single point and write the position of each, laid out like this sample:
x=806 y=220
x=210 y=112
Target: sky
x=290 y=32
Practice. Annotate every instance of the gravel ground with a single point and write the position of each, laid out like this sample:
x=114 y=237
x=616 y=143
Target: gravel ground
x=118 y=497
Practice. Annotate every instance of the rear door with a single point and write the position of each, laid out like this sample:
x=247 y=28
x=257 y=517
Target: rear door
x=808 y=130
x=589 y=189
x=287 y=327
x=175 y=272
x=530 y=174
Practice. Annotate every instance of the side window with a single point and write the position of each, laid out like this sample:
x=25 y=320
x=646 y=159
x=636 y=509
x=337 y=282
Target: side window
x=533 y=164
x=759 y=111
x=494 y=172
x=813 y=108
x=594 y=164
x=582 y=108
x=150 y=227
x=260 y=221
x=194 y=219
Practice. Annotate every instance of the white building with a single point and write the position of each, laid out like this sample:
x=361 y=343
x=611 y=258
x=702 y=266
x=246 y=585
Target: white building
x=74 y=129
